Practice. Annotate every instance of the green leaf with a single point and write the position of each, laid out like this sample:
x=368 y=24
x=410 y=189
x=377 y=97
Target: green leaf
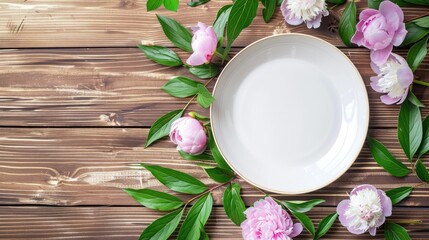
x=279 y=2
x=242 y=14
x=306 y=222
x=386 y=160
x=325 y=225
x=415 y=33
x=414 y=100
x=422 y=171
x=338 y=2
x=171 y=5
x=398 y=194
x=233 y=204
x=221 y=20
x=153 y=5
x=197 y=3
x=410 y=131
x=177 y=34
x=155 y=200
x=203 y=235
x=196 y=218
x=163 y=227
x=393 y=231
x=268 y=11
x=181 y=87
x=374 y=4
x=219 y=175
x=422 y=22
x=417 y=53
x=417 y=2
x=347 y=25
x=161 y=55
x=161 y=127
x=302 y=206
x=202 y=156
x=204 y=97
x=175 y=180
x=216 y=153
x=205 y=71
x=424 y=146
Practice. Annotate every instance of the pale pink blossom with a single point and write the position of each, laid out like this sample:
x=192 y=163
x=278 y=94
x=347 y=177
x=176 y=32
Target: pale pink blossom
x=189 y=135
x=394 y=78
x=310 y=12
x=366 y=210
x=204 y=44
x=380 y=30
x=267 y=220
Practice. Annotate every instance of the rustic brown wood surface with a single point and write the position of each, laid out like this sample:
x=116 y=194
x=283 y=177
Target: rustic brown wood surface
x=76 y=101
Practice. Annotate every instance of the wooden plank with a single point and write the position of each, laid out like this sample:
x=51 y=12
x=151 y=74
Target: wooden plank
x=105 y=87
x=128 y=222
x=114 y=23
x=90 y=166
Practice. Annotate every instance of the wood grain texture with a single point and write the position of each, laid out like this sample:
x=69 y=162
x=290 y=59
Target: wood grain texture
x=128 y=222
x=90 y=166
x=119 y=23
x=110 y=87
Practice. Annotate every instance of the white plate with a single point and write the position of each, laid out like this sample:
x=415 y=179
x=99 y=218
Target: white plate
x=291 y=113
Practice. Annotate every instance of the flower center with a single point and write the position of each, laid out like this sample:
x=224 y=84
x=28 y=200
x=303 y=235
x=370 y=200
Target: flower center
x=365 y=209
x=306 y=9
x=388 y=82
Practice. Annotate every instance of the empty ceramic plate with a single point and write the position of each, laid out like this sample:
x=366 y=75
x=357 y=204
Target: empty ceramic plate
x=291 y=113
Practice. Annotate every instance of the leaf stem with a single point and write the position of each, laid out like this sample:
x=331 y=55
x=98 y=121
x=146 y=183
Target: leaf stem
x=193 y=97
x=419 y=184
x=426 y=84
x=332 y=7
x=209 y=190
x=408 y=221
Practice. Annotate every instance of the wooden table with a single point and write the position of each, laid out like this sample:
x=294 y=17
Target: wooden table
x=76 y=101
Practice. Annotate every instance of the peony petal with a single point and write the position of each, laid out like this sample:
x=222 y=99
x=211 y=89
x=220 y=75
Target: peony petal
x=362 y=187
x=354 y=230
x=367 y=13
x=379 y=57
x=392 y=13
x=374 y=84
x=400 y=34
x=386 y=203
x=405 y=74
x=372 y=231
x=315 y=23
x=297 y=229
x=380 y=221
x=388 y=100
x=196 y=59
x=375 y=68
x=358 y=38
x=341 y=210
x=287 y=16
x=404 y=96
x=199 y=26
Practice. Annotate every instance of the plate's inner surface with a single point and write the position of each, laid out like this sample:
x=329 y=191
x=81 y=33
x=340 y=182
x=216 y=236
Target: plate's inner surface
x=291 y=113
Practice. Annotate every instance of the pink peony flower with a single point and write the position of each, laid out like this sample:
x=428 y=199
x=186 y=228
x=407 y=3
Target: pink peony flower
x=204 y=44
x=189 y=135
x=296 y=12
x=380 y=30
x=267 y=220
x=394 y=77
x=366 y=210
